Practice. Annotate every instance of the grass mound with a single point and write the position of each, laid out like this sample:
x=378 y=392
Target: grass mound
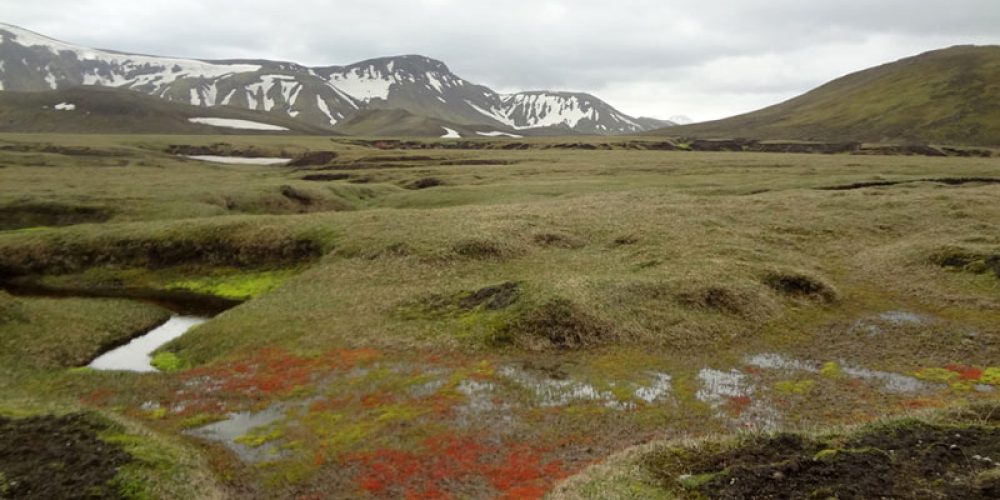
x=20 y=216
x=720 y=299
x=967 y=260
x=557 y=240
x=801 y=285
x=557 y=324
x=483 y=249
x=489 y=298
x=160 y=245
x=899 y=459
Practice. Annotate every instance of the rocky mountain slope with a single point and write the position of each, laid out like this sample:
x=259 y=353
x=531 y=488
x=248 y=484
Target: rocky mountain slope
x=322 y=96
x=99 y=110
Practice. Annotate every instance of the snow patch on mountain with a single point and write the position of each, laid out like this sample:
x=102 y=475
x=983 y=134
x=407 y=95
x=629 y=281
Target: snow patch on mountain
x=497 y=133
x=325 y=109
x=364 y=84
x=450 y=134
x=237 y=124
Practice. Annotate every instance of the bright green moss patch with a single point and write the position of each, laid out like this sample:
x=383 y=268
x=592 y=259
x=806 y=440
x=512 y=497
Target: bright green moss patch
x=991 y=376
x=242 y=286
x=167 y=362
x=799 y=387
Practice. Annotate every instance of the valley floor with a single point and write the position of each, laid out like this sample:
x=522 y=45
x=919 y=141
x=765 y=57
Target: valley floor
x=442 y=323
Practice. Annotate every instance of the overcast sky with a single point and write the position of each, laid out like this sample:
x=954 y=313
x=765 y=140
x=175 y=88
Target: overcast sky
x=701 y=58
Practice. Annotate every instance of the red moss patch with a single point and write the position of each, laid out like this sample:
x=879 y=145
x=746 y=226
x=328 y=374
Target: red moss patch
x=442 y=462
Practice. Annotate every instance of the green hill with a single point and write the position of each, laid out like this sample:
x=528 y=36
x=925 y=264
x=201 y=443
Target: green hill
x=114 y=111
x=949 y=96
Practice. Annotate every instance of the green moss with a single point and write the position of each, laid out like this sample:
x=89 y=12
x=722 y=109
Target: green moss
x=168 y=362
x=241 y=286
x=827 y=454
x=940 y=375
x=831 y=370
x=795 y=387
x=991 y=376
x=260 y=437
x=695 y=481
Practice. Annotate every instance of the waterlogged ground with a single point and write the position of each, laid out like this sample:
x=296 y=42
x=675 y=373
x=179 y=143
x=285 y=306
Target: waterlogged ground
x=361 y=421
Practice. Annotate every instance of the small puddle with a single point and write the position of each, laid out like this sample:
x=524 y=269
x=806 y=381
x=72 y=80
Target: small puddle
x=238 y=425
x=135 y=356
x=238 y=160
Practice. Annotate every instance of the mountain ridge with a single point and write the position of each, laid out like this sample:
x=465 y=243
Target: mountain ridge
x=321 y=96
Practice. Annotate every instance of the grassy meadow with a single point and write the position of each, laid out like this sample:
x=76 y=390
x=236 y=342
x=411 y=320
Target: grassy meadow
x=498 y=322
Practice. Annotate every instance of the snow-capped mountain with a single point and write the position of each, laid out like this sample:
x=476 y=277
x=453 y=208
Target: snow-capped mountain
x=321 y=96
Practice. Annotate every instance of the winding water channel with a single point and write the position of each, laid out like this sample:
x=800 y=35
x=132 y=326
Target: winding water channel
x=136 y=356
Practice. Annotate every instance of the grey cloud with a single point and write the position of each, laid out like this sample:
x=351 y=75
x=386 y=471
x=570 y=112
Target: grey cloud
x=653 y=57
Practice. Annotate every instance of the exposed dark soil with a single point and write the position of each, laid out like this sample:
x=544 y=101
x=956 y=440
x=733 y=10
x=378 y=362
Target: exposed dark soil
x=58 y=457
x=49 y=214
x=688 y=144
x=424 y=183
x=492 y=297
x=178 y=301
x=796 y=284
x=62 y=150
x=476 y=162
x=326 y=177
x=313 y=158
x=479 y=249
x=220 y=149
x=296 y=195
x=950 y=181
x=904 y=459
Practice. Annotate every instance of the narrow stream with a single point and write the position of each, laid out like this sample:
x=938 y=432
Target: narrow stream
x=188 y=311
x=136 y=355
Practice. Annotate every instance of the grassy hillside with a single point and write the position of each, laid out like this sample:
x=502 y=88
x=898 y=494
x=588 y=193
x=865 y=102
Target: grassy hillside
x=949 y=96
x=106 y=111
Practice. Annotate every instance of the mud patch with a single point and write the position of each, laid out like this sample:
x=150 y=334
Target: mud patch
x=902 y=459
x=58 y=457
x=801 y=285
x=296 y=195
x=313 y=158
x=425 y=183
x=948 y=181
x=326 y=177
x=492 y=297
